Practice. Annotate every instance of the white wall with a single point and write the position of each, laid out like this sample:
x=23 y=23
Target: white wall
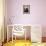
x=37 y=12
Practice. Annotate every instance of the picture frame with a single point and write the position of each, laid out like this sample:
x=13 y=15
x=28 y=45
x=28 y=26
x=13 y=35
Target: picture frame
x=26 y=9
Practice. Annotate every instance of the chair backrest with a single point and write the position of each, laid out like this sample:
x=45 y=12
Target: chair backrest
x=18 y=30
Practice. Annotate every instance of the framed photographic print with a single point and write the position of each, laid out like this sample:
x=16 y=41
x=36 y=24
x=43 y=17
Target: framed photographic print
x=26 y=9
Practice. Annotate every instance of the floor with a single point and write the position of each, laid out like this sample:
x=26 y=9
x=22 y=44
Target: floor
x=18 y=43
x=23 y=43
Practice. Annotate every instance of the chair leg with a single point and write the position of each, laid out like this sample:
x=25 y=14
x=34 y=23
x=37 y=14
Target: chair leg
x=25 y=38
x=12 y=36
x=2 y=44
x=15 y=38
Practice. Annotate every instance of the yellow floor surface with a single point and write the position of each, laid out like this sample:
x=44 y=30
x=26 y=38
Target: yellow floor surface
x=23 y=43
x=18 y=43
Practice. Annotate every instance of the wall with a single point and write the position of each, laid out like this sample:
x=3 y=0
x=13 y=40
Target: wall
x=37 y=13
x=1 y=20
